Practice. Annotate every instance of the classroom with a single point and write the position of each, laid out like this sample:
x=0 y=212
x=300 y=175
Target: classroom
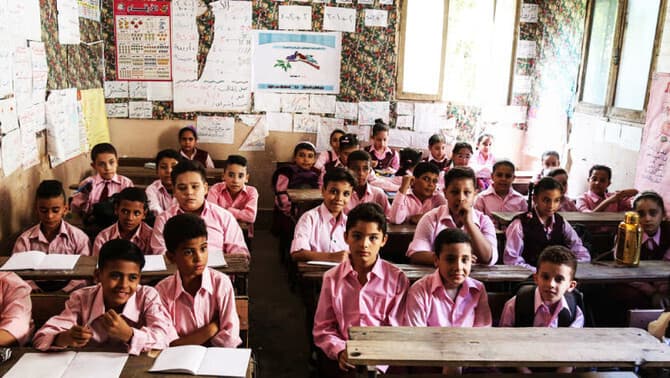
x=570 y=98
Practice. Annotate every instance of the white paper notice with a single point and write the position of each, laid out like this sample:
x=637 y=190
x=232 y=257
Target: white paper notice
x=404 y=108
x=306 y=123
x=8 y=117
x=279 y=121
x=429 y=117
x=528 y=13
x=343 y=1
x=11 y=151
x=116 y=89
x=255 y=141
x=216 y=129
x=522 y=84
x=23 y=79
x=117 y=110
x=250 y=120
x=346 y=110
x=400 y=138
x=140 y=109
x=362 y=132
x=366 y=2
x=89 y=9
x=369 y=111
x=376 y=18
x=29 y=150
x=31 y=25
x=631 y=137
x=420 y=140
x=339 y=19
x=385 y=2
x=295 y=17
x=137 y=89
x=612 y=133
x=33 y=119
x=294 y=103
x=404 y=122
x=38 y=59
x=267 y=102
x=323 y=133
x=159 y=91
x=63 y=135
x=68 y=22
x=323 y=104
x=526 y=49
x=184 y=40
x=6 y=74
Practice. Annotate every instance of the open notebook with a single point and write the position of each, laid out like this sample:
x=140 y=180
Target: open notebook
x=154 y=263
x=198 y=360
x=37 y=260
x=69 y=365
x=215 y=259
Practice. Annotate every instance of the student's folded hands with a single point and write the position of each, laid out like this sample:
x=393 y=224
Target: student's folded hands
x=116 y=327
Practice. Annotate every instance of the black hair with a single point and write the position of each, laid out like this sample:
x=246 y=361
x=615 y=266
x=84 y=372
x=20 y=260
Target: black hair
x=168 y=153
x=557 y=171
x=348 y=140
x=303 y=146
x=188 y=128
x=545 y=183
x=457 y=173
x=450 y=236
x=461 y=145
x=436 y=138
x=120 y=249
x=48 y=189
x=183 y=227
x=358 y=155
x=132 y=194
x=367 y=212
x=504 y=162
x=599 y=167
x=550 y=153
x=482 y=136
x=425 y=167
x=187 y=165
x=338 y=174
x=409 y=158
x=559 y=255
x=652 y=196
x=236 y=159
x=379 y=127
x=102 y=148
x=336 y=131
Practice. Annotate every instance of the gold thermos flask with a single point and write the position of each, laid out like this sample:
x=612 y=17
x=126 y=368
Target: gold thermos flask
x=629 y=240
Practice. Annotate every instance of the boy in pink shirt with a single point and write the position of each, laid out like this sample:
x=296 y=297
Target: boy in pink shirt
x=411 y=206
x=16 y=323
x=159 y=193
x=53 y=234
x=200 y=300
x=598 y=199
x=552 y=301
x=359 y=166
x=363 y=290
x=131 y=209
x=319 y=233
x=117 y=312
x=190 y=187
x=500 y=196
x=233 y=194
x=561 y=175
x=457 y=213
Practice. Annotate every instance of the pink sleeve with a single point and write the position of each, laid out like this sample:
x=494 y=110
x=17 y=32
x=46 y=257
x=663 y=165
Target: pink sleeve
x=158 y=331
x=233 y=238
x=383 y=201
x=483 y=311
x=16 y=314
x=507 y=317
x=579 y=319
x=514 y=246
x=153 y=201
x=489 y=232
x=480 y=204
x=395 y=161
x=45 y=337
x=423 y=236
x=97 y=244
x=82 y=243
x=383 y=183
x=303 y=234
x=157 y=241
x=583 y=204
x=213 y=194
x=396 y=313
x=282 y=200
x=399 y=209
x=326 y=332
x=22 y=244
x=576 y=245
x=229 y=322
x=323 y=158
x=248 y=214
x=416 y=308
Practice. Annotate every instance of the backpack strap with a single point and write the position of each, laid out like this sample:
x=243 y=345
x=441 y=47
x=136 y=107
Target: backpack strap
x=565 y=317
x=524 y=302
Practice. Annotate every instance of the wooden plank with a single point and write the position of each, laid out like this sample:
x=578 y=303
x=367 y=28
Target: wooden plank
x=609 y=272
x=587 y=219
x=145 y=176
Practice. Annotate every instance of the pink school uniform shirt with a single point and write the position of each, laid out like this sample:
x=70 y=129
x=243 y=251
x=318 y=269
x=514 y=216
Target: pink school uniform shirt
x=439 y=219
x=158 y=197
x=223 y=231
x=15 y=307
x=406 y=205
x=429 y=305
x=317 y=230
x=544 y=316
x=372 y=194
x=141 y=238
x=482 y=166
x=567 y=204
x=144 y=312
x=514 y=243
x=326 y=157
x=244 y=207
x=344 y=303
x=388 y=184
x=395 y=160
x=214 y=300
x=656 y=240
x=209 y=163
x=589 y=200
x=82 y=202
x=489 y=201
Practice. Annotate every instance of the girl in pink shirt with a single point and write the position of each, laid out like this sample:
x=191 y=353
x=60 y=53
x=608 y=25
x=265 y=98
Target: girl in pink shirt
x=561 y=175
x=409 y=158
x=484 y=160
x=329 y=157
x=550 y=160
x=384 y=159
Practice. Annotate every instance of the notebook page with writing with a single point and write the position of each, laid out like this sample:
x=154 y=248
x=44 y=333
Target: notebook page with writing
x=23 y=260
x=227 y=362
x=215 y=259
x=43 y=365
x=180 y=359
x=154 y=263
x=58 y=262
x=323 y=263
x=96 y=364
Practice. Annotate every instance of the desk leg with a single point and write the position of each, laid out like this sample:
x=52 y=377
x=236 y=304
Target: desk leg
x=365 y=372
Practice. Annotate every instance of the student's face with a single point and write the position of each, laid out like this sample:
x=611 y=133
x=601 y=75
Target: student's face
x=438 y=151
x=130 y=213
x=164 y=168
x=563 y=180
x=235 y=176
x=454 y=264
x=119 y=280
x=336 y=196
x=554 y=280
x=365 y=239
x=187 y=141
x=485 y=145
x=305 y=159
x=598 y=182
x=105 y=164
x=380 y=140
x=51 y=211
x=335 y=141
x=547 y=202
x=344 y=154
x=459 y=194
x=650 y=214
x=190 y=191
x=550 y=162
x=190 y=257
x=361 y=170
x=502 y=178
x=424 y=185
x=462 y=157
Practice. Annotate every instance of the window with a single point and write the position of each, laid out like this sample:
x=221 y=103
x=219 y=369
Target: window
x=457 y=50
x=618 y=57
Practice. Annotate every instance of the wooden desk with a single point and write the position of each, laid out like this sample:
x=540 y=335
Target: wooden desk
x=305 y=199
x=505 y=347
x=145 y=176
x=587 y=219
x=610 y=272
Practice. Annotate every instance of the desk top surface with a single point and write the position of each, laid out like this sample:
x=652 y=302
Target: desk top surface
x=604 y=218
x=309 y=195
x=532 y=346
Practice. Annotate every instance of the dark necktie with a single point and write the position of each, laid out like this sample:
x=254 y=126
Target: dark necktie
x=104 y=195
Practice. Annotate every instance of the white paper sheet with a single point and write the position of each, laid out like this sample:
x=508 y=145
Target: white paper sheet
x=631 y=137
x=429 y=117
x=267 y=102
x=404 y=108
x=255 y=140
x=346 y=110
x=404 y=122
x=529 y=13
x=323 y=104
x=63 y=125
x=295 y=103
x=38 y=59
x=137 y=89
x=385 y=2
x=295 y=17
x=117 y=110
x=344 y=1
x=31 y=24
x=400 y=138
x=323 y=133
x=362 y=132
x=40 y=261
x=216 y=129
x=306 y=123
x=250 y=120
x=8 y=117
x=6 y=74
x=96 y=364
x=229 y=362
x=43 y=365
x=23 y=79
x=369 y=111
x=522 y=84
x=68 y=22
x=159 y=91
x=279 y=121
x=140 y=109
x=116 y=89
x=11 y=151
x=154 y=263
x=339 y=19
x=30 y=153
x=420 y=139
x=376 y=18
x=612 y=133
x=89 y=9
x=526 y=49
x=215 y=259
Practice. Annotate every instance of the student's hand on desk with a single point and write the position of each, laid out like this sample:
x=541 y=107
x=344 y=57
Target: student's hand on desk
x=76 y=337
x=342 y=361
x=116 y=327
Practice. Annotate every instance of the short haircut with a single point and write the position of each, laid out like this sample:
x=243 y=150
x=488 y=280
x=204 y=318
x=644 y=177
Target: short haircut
x=450 y=236
x=409 y=158
x=120 y=249
x=188 y=128
x=337 y=131
x=167 y=154
x=548 y=153
x=502 y=163
x=358 y=155
x=559 y=255
x=482 y=136
x=236 y=159
x=425 y=167
x=599 y=167
x=556 y=172
x=546 y=183
x=338 y=174
x=652 y=196
x=48 y=189
x=435 y=139
x=379 y=127
x=102 y=148
x=457 y=173
x=348 y=140
x=461 y=145
x=181 y=228
x=187 y=165
x=303 y=146
x=132 y=194
x=367 y=212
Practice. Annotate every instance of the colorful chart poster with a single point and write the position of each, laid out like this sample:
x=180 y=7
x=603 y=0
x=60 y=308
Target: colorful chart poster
x=305 y=62
x=142 y=33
